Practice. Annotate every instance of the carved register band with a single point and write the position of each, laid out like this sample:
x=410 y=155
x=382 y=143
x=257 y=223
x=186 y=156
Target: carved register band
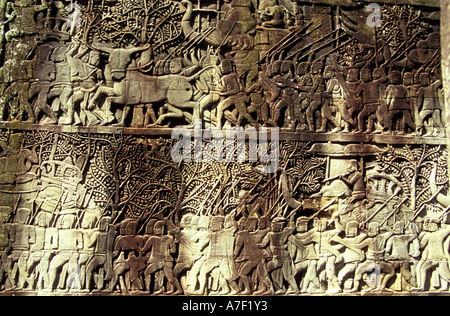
x=214 y=147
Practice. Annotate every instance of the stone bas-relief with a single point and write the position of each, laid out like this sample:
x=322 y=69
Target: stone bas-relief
x=113 y=215
x=303 y=67
x=92 y=202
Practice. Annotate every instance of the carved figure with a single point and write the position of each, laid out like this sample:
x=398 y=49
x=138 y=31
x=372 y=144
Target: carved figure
x=398 y=103
x=430 y=108
x=281 y=266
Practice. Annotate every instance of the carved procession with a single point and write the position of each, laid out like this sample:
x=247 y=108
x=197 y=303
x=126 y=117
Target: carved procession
x=92 y=201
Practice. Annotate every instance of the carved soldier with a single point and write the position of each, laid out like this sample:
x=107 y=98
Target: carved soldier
x=434 y=243
x=160 y=259
x=281 y=266
x=22 y=238
x=333 y=103
x=188 y=250
x=45 y=75
x=402 y=248
x=430 y=108
x=230 y=90
x=203 y=234
x=66 y=69
x=398 y=104
x=87 y=80
x=70 y=241
x=37 y=249
x=17 y=73
x=370 y=91
x=352 y=255
x=376 y=245
x=5 y=244
x=127 y=243
x=305 y=82
x=289 y=96
x=102 y=255
x=271 y=13
x=355 y=181
x=304 y=255
x=316 y=93
x=220 y=255
x=250 y=256
x=328 y=254
x=353 y=104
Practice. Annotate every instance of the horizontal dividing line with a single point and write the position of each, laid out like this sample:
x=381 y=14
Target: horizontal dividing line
x=425 y=3
x=284 y=135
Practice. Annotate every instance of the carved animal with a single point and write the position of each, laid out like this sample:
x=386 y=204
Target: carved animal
x=131 y=87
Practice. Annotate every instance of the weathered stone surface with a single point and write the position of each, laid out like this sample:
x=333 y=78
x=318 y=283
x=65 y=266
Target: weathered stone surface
x=118 y=173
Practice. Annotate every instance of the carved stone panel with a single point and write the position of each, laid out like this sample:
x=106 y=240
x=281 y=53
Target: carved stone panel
x=245 y=147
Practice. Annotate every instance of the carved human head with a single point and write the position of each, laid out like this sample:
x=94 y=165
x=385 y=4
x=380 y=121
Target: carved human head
x=203 y=223
x=286 y=66
x=59 y=54
x=378 y=73
x=408 y=79
x=66 y=221
x=399 y=228
x=395 y=77
x=128 y=227
x=15 y=141
x=194 y=221
x=276 y=67
x=430 y=225
x=302 y=224
x=366 y=74
x=94 y=58
x=229 y=221
x=5 y=213
x=353 y=166
x=104 y=223
x=158 y=229
x=242 y=223
x=89 y=221
x=278 y=223
x=373 y=229
x=22 y=215
x=351 y=229
x=425 y=79
x=43 y=219
x=252 y=223
x=226 y=66
x=302 y=68
x=321 y=225
x=217 y=223
x=263 y=222
x=149 y=228
x=44 y=52
x=210 y=60
x=186 y=220
x=352 y=75
x=316 y=67
x=328 y=72
x=176 y=65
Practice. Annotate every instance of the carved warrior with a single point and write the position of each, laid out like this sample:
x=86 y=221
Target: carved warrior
x=92 y=202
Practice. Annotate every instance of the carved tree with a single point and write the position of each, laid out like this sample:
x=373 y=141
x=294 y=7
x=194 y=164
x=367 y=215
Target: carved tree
x=131 y=22
x=412 y=167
